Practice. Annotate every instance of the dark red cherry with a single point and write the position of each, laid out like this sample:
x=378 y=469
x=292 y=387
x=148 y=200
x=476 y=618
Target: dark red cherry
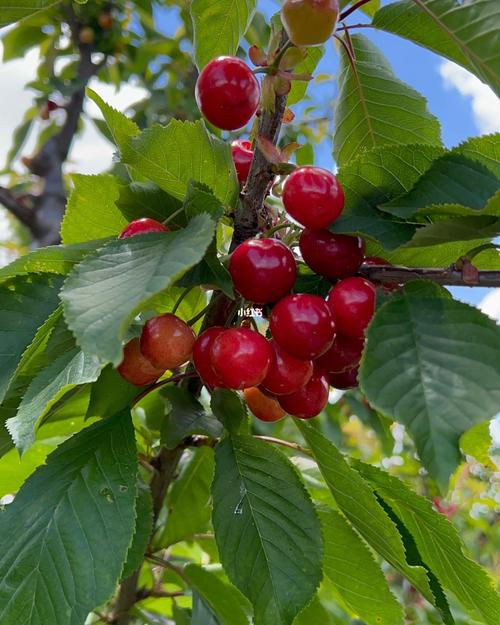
x=242 y=158
x=286 y=374
x=303 y=326
x=331 y=255
x=135 y=368
x=263 y=406
x=240 y=358
x=344 y=354
x=263 y=270
x=377 y=261
x=345 y=379
x=227 y=93
x=352 y=304
x=202 y=356
x=167 y=341
x=310 y=400
x=313 y=197
x=142 y=226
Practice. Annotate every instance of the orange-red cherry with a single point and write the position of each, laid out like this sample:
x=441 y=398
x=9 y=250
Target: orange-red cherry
x=310 y=22
x=142 y=226
x=135 y=367
x=344 y=354
x=240 y=358
x=167 y=341
x=313 y=197
x=227 y=93
x=202 y=359
x=310 y=400
x=242 y=154
x=303 y=325
x=286 y=374
x=352 y=304
x=331 y=255
x=263 y=406
x=263 y=270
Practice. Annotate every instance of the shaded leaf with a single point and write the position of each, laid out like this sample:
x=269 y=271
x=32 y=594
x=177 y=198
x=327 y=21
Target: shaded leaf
x=229 y=408
x=142 y=533
x=64 y=540
x=13 y=12
x=266 y=529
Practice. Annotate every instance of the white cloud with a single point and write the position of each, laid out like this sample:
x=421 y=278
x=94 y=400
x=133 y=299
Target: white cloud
x=490 y=304
x=484 y=102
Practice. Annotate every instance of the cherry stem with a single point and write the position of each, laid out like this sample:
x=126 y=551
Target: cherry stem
x=173 y=215
x=350 y=10
x=181 y=298
x=354 y=26
x=197 y=317
x=271 y=231
x=168 y=565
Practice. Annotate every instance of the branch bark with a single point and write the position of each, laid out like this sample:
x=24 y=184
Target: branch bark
x=449 y=276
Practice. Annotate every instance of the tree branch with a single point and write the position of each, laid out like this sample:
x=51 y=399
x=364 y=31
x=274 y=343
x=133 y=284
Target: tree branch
x=16 y=206
x=449 y=276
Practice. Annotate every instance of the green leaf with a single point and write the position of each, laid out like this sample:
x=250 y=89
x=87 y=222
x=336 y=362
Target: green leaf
x=219 y=26
x=65 y=538
x=484 y=149
x=188 y=501
x=110 y=393
x=371 y=418
x=223 y=600
x=464 y=32
x=456 y=229
x=71 y=369
x=432 y=364
x=142 y=533
x=314 y=614
x=147 y=200
x=354 y=573
x=266 y=529
x=56 y=259
x=91 y=212
x=357 y=501
x=106 y=290
x=229 y=408
x=202 y=612
x=122 y=128
x=186 y=417
x=451 y=179
x=440 y=546
x=18 y=40
x=374 y=108
x=477 y=443
x=25 y=303
x=308 y=66
x=15 y=11
x=173 y=155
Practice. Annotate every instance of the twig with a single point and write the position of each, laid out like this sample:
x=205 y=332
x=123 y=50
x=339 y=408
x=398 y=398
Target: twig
x=450 y=276
x=174 y=378
x=167 y=565
x=16 y=206
x=350 y=10
x=354 y=26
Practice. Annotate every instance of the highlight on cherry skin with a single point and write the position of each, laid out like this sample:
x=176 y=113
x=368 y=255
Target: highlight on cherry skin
x=144 y=225
x=227 y=93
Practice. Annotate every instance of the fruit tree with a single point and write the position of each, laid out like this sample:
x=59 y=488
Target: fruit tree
x=236 y=384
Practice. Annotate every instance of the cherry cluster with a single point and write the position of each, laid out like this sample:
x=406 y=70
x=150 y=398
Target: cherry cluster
x=312 y=342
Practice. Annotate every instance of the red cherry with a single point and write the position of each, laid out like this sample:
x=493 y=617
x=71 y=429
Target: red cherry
x=264 y=407
x=135 y=368
x=240 y=358
x=286 y=374
x=167 y=341
x=263 y=270
x=352 y=304
x=331 y=255
x=310 y=400
x=227 y=93
x=242 y=158
x=376 y=261
x=313 y=197
x=344 y=379
x=303 y=326
x=142 y=226
x=344 y=354
x=202 y=359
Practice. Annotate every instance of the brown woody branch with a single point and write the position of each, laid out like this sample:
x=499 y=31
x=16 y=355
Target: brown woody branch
x=449 y=276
